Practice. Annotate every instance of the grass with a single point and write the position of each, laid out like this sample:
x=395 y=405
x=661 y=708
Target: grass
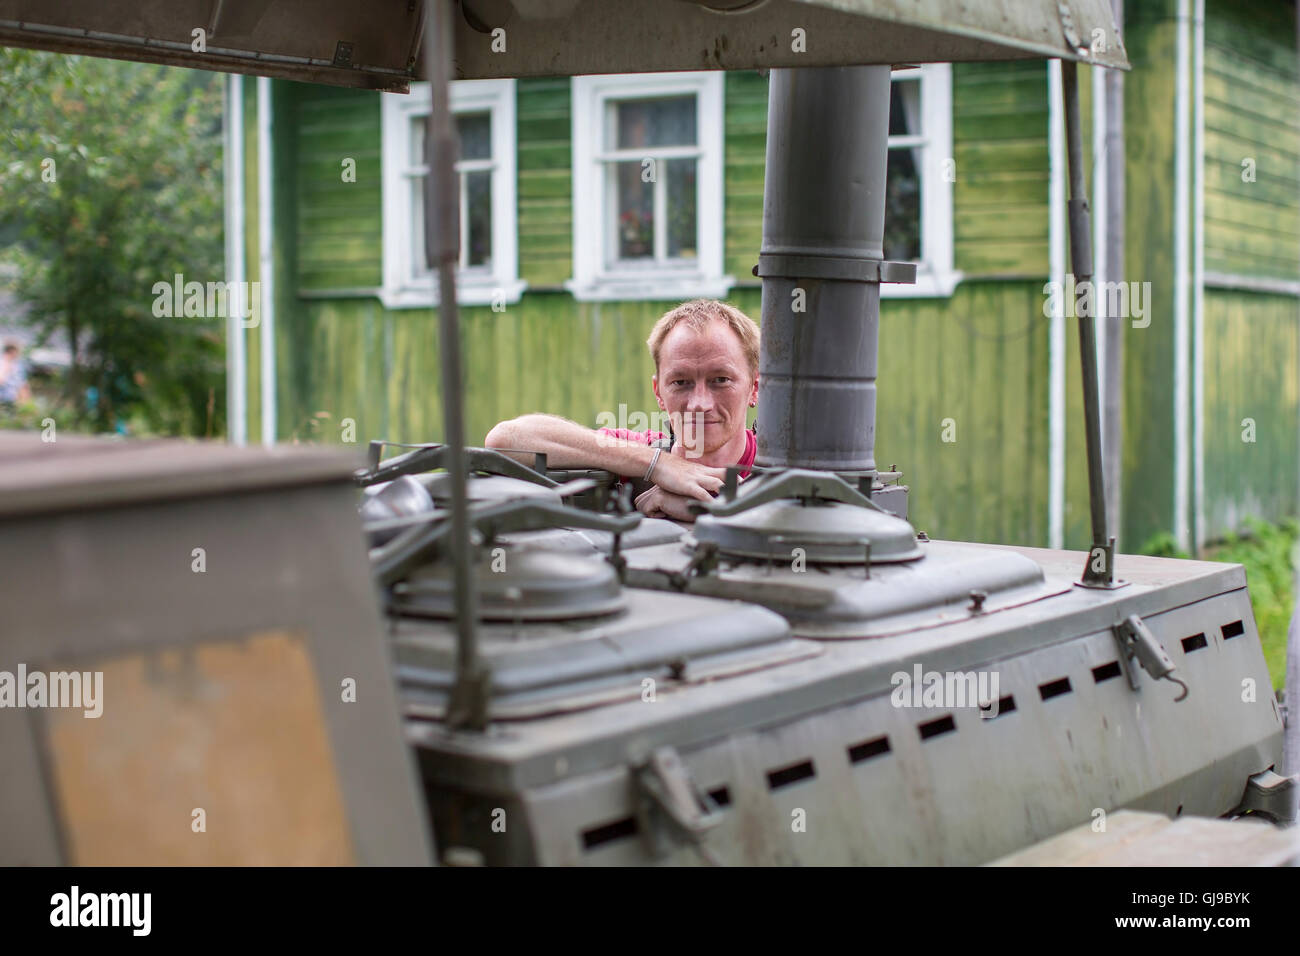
x=1265 y=551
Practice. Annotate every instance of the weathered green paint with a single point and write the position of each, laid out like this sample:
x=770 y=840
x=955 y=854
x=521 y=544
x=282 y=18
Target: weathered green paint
x=545 y=180
x=1148 y=492
x=1252 y=371
x=1252 y=113
x=746 y=152
x=1000 y=148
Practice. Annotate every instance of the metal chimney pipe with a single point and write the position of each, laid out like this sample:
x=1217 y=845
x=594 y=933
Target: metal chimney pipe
x=821 y=266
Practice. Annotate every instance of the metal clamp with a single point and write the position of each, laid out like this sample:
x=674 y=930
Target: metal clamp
x=671 y=809
x=1137 y=641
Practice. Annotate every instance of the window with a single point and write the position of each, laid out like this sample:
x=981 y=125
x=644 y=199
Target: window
x=647 y=186
x=484 y=112
x=918 y=189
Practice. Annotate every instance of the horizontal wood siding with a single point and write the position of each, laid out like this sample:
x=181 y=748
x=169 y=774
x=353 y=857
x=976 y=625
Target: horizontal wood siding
x=746 y=160
x=545 y=180
x=1252 y=113
x=339 y=224
x=999 y=139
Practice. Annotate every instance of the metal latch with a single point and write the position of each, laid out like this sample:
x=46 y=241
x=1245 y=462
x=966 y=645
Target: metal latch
x=1136 y=640
x=670 y=808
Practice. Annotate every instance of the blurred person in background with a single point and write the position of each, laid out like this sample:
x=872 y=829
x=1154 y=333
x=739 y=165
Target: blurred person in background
x=14 y=389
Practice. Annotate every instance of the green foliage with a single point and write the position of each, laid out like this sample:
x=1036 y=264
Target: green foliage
x=1163 y=545
x=1265 y=551
x=111 y=182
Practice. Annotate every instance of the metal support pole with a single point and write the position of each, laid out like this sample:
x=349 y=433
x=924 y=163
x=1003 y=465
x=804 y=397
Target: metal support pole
x=1113 y=357
x=468 y=705
x=1099 y=569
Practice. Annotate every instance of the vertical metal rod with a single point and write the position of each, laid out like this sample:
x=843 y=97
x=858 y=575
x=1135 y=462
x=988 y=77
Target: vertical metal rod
x=1099 y=568
x=468 y=705
x=1113 y=357
x=236 y=271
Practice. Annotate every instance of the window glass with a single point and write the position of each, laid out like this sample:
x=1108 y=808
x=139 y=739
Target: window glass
x=649 y=123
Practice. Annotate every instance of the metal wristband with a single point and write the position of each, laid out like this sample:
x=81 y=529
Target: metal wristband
x=653 y=461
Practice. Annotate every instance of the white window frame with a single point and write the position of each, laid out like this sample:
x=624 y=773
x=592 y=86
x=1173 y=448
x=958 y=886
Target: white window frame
x=935 y=275
x=401 y=288
x=592 y=281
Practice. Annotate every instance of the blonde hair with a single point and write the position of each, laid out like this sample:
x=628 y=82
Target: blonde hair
x=697 y=314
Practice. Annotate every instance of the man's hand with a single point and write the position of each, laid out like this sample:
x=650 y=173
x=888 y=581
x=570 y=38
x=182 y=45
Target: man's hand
x=658 y=503
x=685 y=478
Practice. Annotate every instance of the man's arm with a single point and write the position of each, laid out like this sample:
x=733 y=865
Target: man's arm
x=567 y=444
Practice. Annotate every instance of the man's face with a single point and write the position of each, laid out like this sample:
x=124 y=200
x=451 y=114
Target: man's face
x=704 y=378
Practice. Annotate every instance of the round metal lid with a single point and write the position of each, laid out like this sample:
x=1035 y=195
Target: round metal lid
x=829 y=532
x=517 y=586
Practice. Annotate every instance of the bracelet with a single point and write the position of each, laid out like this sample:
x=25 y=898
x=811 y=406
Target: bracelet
x=653 y=461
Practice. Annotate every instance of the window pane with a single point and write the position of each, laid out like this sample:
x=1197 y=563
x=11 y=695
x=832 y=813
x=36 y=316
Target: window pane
x=905 y=108
x=681 y=209
x=902 y=206
x=478 y=190
x=418 y=265
x=635 y=212
x=666 y=122
x=475 y=131
x=416 y=156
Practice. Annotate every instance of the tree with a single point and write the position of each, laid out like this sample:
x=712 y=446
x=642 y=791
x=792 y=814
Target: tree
x=110 y=182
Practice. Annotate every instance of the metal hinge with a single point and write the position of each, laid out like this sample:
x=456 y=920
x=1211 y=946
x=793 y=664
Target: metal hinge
x=1137 y=641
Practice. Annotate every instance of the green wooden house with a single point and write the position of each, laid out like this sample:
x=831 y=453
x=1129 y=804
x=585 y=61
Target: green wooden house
x=591 y=205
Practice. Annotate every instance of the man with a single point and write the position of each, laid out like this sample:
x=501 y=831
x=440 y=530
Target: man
x=706 y=376
x=13 y=377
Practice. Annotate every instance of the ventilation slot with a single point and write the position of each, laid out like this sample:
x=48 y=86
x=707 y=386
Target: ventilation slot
x=1006 y=705
x=1054 y=689
x=776 y=779
x=617 y=830
x=934 y=728
x=868 y=749
x=1235 y=629
x=1193 y=643
x=1106 y=671
x=721 y=796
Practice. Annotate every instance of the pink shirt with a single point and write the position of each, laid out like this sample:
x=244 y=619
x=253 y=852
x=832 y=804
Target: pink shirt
x=649 y=438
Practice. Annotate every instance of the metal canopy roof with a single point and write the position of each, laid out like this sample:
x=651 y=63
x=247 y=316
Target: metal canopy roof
x=375 y=44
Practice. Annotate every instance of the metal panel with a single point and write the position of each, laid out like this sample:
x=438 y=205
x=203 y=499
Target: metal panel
x=573 y=37
x=344 y=43
x=943 y=798
x=113 y=575
x=375 y=45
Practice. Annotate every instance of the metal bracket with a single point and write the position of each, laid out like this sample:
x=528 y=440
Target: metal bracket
x=1136 y=641
x=704 y=561
x=671 y=809
x=790 y=483
x=428 y=457
x=842 y=268
x=1104 y=579
x=1271 y=795
x=394 y=560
